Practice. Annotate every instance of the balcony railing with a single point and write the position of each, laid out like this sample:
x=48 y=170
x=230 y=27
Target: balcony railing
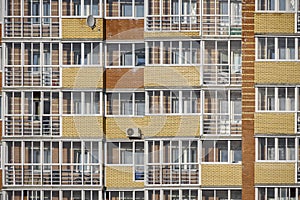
x=173 y=23
x=31 y=27
x=221 y=124
x=32 y=126
x=32 y=76
x=221 y=74
x=51 y=174
x=173 y=174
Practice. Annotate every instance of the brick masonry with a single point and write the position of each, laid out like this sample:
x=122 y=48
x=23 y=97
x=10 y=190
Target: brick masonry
x=82 y=77
x=77 y=28
x=248 y=99
x=82 y=127
x=274 y=123
x=120 y=177
x=124 y=29
x=124 y=78
x=274 y=23
x=274 y=173
x=277 y=72
x=221 y=175
x=159 y=126
x=172 y=76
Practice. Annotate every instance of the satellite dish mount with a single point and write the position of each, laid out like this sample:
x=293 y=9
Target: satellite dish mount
x=91 y=21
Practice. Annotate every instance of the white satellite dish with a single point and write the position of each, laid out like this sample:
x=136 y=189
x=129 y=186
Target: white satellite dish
x=90 y=21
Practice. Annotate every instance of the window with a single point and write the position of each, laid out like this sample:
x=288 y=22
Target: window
x=266 y=48
x=88 y=103
x=174 y=102
x=276 y=149
x=276 y=5
x=286 y=48
x=125 y=195
x=222 y=194
x=126 y=153
x=276 y=193
x=225 y=151
x=174 y=52
x=81 y=53
x=46 y=11
x=125 y=103
x=35 y=11
x=276 y=99
x=125 y=55
x=276 y=48
x=33 y=56
x=81 y=7
x=124 y=8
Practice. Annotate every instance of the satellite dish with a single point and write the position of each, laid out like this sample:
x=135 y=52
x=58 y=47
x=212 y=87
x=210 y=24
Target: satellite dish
x=90 y=21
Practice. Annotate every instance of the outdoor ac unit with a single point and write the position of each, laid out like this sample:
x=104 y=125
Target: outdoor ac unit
x=133 y=132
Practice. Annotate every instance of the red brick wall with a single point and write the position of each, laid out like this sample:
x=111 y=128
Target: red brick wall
x=124 y=78
x=248 y=99
x=124 y=29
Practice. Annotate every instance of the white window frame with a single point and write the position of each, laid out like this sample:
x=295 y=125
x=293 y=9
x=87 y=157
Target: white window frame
x=276 y=49
x=134 y=52
x=134 y=8
x=82 y=110
x=179 y=56
x=276 y=99
x=177 y=110
x=230 y=153
x=134 y=102
x=78 y=55
x=276 y=149
x=276 y=6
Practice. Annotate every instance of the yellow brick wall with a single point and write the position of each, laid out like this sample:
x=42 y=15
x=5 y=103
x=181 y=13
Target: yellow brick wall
x=172 y=76
x=221 y=175
x=154 y=126
x=171 y=34
x=120 y=177
x=274 y=123
x=277 y=72
x=274 y=23
x=274 y=173
x=82 y=77
x=82 y=126
x=77 y=28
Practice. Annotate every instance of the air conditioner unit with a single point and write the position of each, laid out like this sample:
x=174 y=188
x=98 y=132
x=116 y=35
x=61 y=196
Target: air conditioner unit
x=133 y=132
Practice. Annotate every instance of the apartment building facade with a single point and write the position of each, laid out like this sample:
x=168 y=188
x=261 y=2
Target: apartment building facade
x=156 y=100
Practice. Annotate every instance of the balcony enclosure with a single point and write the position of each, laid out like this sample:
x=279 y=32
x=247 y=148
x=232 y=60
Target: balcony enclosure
x=222 y=62
x=222 y=112
x=82 y=8
x=31 y=18
x=36 y=115
x=124 y=8
x=53 y=163
x=217 y=17
x=32 y=64
x=173 y=15
x=172 y=162
x=54 y=194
